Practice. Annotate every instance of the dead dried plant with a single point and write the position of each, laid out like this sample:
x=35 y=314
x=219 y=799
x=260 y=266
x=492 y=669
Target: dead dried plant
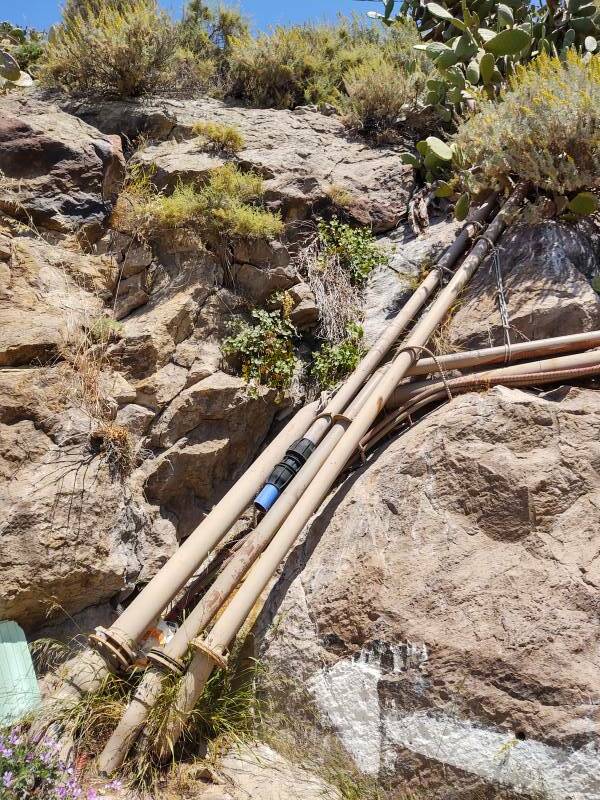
x=338 y=300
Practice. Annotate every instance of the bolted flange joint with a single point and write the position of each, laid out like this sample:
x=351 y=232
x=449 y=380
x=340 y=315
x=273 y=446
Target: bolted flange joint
x=113 y=648
x=166 y=663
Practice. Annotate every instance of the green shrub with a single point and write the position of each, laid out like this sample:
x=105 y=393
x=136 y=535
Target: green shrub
x=119 y=49
x=544 y=130
x=249 y=222
x=333 y=362
x=264 y=349
x=355 y=248
x=221 y=137
x=304 y=64
x=222 y=204
x=204 y=37
x=382 y=94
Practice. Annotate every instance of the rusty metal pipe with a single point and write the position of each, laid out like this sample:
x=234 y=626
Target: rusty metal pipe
x=516 y=352
x=403 y=393
x=212 y=649
x=542 y=372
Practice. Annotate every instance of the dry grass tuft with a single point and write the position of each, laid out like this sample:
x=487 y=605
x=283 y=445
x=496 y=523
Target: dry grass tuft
x=115 y=445
x=221 y=137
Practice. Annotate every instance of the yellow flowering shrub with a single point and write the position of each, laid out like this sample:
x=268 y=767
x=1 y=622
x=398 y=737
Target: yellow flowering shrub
x=545 y=129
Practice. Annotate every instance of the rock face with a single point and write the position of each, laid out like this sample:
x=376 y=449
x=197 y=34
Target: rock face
x=301 y=154
x=72 y=535
x=442 y=609
x=56 y=170
x=47 y=296
x=546 y=271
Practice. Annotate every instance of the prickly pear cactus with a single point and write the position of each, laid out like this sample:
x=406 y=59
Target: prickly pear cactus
x=475 y=44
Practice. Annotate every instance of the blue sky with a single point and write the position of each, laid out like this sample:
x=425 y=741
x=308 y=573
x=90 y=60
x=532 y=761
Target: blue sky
x=43 y=13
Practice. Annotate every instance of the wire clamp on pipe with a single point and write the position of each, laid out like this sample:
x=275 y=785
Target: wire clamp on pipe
x=431 y=354
x=218 y=658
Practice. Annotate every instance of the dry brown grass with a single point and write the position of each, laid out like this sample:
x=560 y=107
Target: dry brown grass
x=337 y=298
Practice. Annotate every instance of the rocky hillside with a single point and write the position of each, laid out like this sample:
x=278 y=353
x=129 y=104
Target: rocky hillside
x=439 y=618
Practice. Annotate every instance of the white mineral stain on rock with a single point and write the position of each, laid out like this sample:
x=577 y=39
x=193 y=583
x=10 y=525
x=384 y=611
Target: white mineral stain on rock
x=347 y=694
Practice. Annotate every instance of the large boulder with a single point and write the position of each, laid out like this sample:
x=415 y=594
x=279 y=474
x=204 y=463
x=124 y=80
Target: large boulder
x=301 y=154
x=441 y=610
x=56 y=170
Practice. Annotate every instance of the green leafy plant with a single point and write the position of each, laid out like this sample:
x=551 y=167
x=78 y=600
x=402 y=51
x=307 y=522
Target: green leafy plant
x=355 y=248
x=333 y=362
x=264 y=349
x=117 y=49
x=221 y=137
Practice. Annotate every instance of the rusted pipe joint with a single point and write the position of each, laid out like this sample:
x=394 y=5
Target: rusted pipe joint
x=219 y=658
x=165 y=662
x=113 y=647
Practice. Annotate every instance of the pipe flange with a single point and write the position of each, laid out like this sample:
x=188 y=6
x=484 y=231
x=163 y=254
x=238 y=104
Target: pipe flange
x=110 y=643
x=165 y=662
x=220 y=659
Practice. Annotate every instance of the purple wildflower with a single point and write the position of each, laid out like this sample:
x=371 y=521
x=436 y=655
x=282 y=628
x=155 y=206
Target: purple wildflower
x=92 y=794
x=7 y=780
x=115 y=785
x=5 y=751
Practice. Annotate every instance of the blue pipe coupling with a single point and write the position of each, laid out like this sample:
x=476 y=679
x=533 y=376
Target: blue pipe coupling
x=283 y=473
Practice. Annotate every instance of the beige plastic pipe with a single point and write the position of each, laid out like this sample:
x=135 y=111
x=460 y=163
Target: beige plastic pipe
x=402 y=394
x=147 y=606
x=85 y=671
x=147 y=694
x=382 y=346
x=516 y=352
x=541 y=372
x=212 y=649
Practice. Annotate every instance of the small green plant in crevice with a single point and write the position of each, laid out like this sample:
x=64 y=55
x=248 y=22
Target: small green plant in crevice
x=341 y=197
x=333 y=362
x=264 y=349
x=104 y=330
x=220 y=137
x=227 y=203
x=355 y=248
